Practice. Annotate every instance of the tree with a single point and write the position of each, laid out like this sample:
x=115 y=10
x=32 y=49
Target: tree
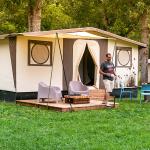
x=144 y=52
x=129 y=18
x=34 y=15
x=12 y=16
x=30 y=9
x=135 y=15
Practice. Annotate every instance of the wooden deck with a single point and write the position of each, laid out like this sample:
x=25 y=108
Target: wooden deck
x=65 y=107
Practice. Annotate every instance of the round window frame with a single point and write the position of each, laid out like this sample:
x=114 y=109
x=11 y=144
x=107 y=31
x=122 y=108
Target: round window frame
x=119 y=59
x=32 y=49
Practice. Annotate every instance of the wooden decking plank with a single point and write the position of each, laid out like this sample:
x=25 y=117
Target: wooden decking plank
x=63 y=107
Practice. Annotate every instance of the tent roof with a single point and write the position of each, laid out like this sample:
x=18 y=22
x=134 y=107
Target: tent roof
x=83 y=33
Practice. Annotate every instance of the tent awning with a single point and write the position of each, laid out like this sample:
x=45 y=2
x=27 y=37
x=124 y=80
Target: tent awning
x=82 y=33
x=74 y=35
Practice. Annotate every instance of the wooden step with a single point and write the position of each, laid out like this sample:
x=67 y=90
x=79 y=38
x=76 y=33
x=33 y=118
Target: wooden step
x=99 y=94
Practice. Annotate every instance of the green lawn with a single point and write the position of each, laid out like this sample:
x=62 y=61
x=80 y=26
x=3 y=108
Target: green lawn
x=27 y=128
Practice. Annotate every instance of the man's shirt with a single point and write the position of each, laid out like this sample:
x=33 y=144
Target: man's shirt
x=107 y=67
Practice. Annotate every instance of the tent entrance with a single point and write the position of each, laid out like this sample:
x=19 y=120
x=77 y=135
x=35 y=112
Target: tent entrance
x=87 y=68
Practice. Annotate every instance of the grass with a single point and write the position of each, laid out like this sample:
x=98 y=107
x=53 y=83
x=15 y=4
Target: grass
x=27 y=128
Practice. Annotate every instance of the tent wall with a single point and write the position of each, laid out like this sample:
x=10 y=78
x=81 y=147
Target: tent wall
x=28 y=76
x=125 y=72
x=6 y=73
x=103 y=50
x=18 y=77
x=68 y=57
x=12 y=48
x=68 y=60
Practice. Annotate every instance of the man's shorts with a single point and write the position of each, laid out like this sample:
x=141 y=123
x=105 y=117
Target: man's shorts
x=109 y=85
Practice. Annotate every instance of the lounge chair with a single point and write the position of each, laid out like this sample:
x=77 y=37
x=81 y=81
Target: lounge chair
x=49 y=92
x=78 y=88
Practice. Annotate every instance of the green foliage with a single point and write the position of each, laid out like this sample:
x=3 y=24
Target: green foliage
x=125 y=128
x=120 y=17
x=54 y=18
x=7 y=27
x=13 y=17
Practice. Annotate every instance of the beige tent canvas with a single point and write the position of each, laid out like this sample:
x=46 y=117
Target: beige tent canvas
x=26 y=59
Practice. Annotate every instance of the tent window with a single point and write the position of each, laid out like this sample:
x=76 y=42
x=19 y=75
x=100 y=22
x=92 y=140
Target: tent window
x=39 y=53
x=123 y=56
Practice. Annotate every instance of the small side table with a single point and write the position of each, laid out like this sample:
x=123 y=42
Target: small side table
x=77 y=99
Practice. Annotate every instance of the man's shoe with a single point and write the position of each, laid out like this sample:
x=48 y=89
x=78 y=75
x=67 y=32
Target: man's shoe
x=104 y=102
x=108 y=105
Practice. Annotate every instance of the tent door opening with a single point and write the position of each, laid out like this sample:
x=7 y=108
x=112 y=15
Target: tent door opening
x=87 y=68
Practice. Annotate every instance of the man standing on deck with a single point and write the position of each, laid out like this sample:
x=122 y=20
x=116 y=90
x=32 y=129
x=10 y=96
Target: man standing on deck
x=108 y=72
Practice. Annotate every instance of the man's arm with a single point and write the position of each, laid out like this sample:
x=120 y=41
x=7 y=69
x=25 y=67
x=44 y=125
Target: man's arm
x=115 y=73
x=101 y=72
x=114 y=70
x=101 y=69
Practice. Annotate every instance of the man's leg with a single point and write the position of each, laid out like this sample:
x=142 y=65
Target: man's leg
x=107 y=90
x=111 y=87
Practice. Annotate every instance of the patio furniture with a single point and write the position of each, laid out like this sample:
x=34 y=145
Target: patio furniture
x=77 y=99
x=145 y=91
x=124 y=91
x=78 y=88
x=116 y=92
x=49 y=92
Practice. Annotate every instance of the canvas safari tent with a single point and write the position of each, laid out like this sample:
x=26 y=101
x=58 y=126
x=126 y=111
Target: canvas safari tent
x=28 y=58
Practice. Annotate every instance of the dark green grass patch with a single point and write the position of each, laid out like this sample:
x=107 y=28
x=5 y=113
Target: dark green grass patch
x=27 y=128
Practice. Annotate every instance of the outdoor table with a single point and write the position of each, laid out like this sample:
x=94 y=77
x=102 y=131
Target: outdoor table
x=116 y=92
x=76 y=99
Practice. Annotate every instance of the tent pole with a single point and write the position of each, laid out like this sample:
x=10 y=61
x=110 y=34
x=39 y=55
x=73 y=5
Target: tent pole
x=63 y=67
x=62 y=61
x=51 y=75
x=115 y=66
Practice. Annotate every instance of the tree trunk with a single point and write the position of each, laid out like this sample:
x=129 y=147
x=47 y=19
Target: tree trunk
x=144 y=52
x=34 y=16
